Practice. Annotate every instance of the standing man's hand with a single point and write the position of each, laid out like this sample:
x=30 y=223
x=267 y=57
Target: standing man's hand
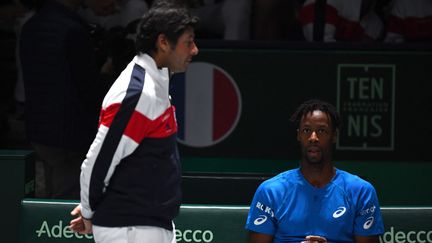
x=314 y=239
x=80 y=224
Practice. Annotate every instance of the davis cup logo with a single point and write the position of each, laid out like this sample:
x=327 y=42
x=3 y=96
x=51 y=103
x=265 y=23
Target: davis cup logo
x=208 y=105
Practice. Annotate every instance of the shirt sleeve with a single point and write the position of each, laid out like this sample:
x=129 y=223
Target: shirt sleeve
x=368 y=220
x=261 y=217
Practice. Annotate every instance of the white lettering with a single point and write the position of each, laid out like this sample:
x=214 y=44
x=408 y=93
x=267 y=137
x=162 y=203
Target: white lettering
x=370 y=210
x=44 y=229
x=365 y=126
x=208 y=238
x=178 y=235
x=392 y=236
x=359 y=125
x=194 y=235
x=409 y=237
x=428 y=236
x=77 y=235
x=260 y=206
x=377 y=88
x=400 y=237
x=265 y=208
x=375 y=124
x=418 y=236
x=184 y=235
x=389 y=233
x=67 y=232
x=352 y=87
x=363 y=87
x=354 y=126
x=56 y=230
x=366 y=88
x=59 y=231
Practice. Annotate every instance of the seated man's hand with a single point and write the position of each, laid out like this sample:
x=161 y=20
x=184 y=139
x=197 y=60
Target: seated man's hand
x=314 y=239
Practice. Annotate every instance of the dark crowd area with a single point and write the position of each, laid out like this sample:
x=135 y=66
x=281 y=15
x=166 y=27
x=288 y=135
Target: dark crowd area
x=221 y=21
x=111 y=28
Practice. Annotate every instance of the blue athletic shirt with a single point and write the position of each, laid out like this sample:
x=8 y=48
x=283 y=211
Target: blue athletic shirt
x=288 y=207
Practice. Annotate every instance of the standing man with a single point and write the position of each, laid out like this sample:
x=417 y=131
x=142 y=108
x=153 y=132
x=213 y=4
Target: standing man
x=316 y=202
x=130 y=180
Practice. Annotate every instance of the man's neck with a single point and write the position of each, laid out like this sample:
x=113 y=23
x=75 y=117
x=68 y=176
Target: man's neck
x=318 y=175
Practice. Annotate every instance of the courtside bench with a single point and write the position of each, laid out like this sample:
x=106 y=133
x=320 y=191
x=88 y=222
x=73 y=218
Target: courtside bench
x=47 y=221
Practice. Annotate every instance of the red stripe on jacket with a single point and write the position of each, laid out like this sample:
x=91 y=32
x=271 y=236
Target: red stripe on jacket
x=140 y=126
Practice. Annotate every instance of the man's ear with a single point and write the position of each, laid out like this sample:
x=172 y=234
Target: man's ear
x=162 y=43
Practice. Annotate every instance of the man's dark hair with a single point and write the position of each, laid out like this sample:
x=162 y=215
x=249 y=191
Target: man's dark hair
x=166 y=18
x=313 y=105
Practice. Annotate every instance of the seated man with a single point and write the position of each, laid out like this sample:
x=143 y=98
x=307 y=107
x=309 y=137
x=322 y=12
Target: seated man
x=316 y=202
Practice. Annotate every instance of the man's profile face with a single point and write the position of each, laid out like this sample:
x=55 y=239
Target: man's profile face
x=181 y=55
x=316 y=137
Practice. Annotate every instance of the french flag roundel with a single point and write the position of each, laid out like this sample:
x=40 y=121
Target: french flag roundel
x=208 y=105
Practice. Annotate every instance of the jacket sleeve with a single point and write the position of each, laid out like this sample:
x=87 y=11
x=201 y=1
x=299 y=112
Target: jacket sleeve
x=111 y=144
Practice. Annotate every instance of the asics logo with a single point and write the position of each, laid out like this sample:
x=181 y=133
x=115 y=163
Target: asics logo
x=368 y=223
x=260 y=220
x=339 y=212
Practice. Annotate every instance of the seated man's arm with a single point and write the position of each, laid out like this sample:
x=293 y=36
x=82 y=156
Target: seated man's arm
x=255 y=237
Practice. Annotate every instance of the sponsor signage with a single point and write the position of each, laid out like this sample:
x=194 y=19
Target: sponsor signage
x=58 y=230
x=366 y=102
x=47 y=221
x=407 y=225
x=395 y=235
